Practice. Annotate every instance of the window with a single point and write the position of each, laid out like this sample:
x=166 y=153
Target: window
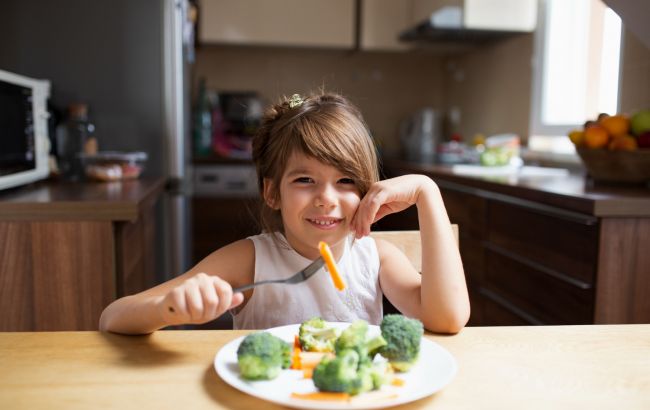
x=575 y=70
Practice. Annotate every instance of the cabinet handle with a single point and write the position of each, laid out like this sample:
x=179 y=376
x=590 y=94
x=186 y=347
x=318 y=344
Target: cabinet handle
x=536 y=207
x=537 y=266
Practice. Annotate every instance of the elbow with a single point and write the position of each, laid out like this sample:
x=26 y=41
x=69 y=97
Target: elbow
x=104 y=321
x=451 y=324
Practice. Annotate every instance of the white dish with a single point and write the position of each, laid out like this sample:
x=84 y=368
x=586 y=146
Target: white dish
x=435 y=368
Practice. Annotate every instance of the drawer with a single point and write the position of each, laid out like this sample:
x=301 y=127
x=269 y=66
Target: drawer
x=562 y=243
x=216 y=222
x=536 y=292
x=497 y=313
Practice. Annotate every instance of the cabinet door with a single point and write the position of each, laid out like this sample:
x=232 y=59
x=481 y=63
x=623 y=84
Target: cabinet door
x=381 y=23
x=314 y=23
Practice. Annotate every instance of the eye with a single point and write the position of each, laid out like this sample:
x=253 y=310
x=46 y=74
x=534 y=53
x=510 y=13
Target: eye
x=346 y=181
x=303 y=180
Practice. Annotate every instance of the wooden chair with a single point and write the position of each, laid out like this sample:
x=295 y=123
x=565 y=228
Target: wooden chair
x=409 y=243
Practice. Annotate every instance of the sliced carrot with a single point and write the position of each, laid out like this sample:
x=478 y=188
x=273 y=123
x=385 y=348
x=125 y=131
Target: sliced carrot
x=296 y=362
x=397 y=382
x=322 y=396
x=326 y=253
x=307 y=372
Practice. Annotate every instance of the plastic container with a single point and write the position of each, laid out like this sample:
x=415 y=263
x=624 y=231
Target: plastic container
x=113 y=165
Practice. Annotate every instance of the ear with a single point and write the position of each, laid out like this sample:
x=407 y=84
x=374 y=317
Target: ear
x=269 y=196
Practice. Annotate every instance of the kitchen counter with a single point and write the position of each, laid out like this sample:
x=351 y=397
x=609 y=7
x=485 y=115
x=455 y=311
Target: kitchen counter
x=116 y=201
x=70 y=248
x=573 y=192
x=558 y=367
x=545 y=250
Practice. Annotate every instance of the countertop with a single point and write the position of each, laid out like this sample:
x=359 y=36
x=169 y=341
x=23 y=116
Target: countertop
x=572 y=192
x=545 y=367
x=61 y=200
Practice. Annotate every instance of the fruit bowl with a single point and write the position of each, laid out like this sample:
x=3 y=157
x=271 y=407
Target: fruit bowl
x=616 y=166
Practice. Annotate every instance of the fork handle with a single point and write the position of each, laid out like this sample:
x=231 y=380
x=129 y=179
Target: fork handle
x=252 y=285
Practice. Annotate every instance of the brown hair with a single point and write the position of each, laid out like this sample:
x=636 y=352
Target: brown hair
x=324 y=126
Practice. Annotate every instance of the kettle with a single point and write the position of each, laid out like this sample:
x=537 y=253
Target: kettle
x=419 y=135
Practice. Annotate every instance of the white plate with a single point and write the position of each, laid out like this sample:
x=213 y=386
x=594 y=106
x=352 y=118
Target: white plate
x=434 y=369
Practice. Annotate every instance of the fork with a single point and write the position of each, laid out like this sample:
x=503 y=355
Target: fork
x=301 y=276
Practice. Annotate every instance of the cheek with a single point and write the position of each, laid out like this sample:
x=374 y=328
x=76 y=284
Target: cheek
x=352 y=200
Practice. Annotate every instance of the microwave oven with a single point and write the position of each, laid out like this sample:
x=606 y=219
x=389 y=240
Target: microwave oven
x=24 y=142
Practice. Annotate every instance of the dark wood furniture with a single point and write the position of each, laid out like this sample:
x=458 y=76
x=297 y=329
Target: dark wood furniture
x=546 y=250
x=68 y=249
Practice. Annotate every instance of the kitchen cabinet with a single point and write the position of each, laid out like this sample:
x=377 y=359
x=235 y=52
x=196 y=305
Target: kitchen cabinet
x=381 y=23
x=69 y=249
x=301 y=23
x=549 y=251
x=218 y=221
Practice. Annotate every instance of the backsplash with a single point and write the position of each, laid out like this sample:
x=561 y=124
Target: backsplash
x=490 y=86
x=387 y=87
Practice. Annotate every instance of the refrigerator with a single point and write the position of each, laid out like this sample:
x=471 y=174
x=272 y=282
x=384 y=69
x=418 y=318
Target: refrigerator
x=130 y=62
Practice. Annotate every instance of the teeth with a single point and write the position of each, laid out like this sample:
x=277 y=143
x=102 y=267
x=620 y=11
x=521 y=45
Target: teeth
x=322 y=223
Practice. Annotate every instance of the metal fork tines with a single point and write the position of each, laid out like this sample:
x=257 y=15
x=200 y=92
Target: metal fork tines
x=301 y=276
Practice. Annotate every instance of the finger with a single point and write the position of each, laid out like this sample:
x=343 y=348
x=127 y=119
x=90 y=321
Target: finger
x=224 y=291
x=194 y=301
x=210 y=299
x=237 y=299
x=367 y=214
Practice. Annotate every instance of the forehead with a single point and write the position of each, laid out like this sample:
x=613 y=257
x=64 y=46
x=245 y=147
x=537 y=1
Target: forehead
x=300 y=162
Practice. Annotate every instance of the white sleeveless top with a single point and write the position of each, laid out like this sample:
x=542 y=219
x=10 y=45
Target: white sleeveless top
x=277 y=304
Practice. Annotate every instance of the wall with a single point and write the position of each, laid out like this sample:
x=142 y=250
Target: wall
x=635 y=76
x=106 y=54
x=491 y=86
x=386 y=87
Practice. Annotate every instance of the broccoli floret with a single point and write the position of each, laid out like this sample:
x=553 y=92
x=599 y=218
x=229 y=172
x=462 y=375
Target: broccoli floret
x=261 y=356
x=403 y=336
x=317 y=336
x=356 y=337
x=343 y=373
x=380 y=371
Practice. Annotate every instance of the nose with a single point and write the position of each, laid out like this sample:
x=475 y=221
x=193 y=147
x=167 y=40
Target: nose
x=326 y=196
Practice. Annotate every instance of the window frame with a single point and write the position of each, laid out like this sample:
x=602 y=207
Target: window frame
x=545 y=137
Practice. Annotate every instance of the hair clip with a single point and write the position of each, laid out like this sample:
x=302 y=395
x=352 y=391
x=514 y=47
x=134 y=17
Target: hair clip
x=295 y=101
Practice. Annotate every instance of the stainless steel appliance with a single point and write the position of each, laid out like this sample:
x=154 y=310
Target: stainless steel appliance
x=420 y=134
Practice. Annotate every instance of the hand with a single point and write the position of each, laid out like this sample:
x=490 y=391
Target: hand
x=199 y=299
x=387 y=197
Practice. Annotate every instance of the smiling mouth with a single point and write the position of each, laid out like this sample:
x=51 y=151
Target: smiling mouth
x=325 y=223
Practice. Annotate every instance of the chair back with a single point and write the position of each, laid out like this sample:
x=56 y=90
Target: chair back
x=409 y=243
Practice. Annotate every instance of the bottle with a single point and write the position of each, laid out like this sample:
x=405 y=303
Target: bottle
x=74 y=138
x=202 y=129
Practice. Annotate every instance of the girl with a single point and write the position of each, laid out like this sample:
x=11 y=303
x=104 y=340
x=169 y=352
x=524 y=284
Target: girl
x=318 y=178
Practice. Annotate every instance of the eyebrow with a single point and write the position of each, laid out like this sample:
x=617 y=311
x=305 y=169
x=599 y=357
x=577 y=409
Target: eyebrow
x=298 y=171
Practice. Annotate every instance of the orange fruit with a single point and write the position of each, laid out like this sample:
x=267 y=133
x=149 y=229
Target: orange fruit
x=577 y=137
x=615 y=124
x=623 y=143
x=596 y=137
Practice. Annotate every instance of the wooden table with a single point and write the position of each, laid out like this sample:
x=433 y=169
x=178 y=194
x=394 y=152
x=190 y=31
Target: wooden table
x=573 y=367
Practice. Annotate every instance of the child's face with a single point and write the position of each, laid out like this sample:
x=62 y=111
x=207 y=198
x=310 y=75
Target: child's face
x=317 y=203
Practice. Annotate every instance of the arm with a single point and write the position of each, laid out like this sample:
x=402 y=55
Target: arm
x=439 y=296
x=197 y=296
